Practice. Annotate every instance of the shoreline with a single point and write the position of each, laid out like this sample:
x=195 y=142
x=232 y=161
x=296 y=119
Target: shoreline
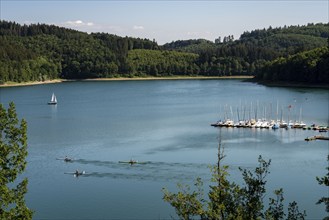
x=31 y=83
x=245 y=78
x=14 y=84
x=168 y=78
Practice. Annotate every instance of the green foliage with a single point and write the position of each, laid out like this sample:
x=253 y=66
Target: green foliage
x=186 y=202
x=230 y=201
x=309 y=66
x=294 y=213
x=190 y=46
x=162 y=63
x=254 y=191
x=224 y=196
x=316 y=30
x=39 y=52
x=13 y=151
x=325 y=181
x=275 y=210
x=248 y=53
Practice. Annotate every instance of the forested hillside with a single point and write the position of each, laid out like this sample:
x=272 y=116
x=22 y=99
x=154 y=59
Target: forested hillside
x=40 y=52
x=253 y=49
x=306 y=67
x=162 y=63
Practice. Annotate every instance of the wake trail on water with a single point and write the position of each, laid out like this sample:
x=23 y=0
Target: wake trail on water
x=150 y=170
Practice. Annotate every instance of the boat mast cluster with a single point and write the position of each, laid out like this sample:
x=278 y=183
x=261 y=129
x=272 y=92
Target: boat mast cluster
x=255 y=116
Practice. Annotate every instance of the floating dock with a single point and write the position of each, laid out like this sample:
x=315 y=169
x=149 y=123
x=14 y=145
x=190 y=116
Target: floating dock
x=317 y=137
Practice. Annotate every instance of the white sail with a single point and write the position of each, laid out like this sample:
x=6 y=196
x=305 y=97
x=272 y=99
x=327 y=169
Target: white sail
x=53 y=100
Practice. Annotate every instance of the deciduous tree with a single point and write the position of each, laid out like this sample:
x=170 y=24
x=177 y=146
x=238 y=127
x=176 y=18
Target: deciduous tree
x=13 y=152
x=325 y=181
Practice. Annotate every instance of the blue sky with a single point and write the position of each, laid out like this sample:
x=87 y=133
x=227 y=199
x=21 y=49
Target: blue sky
x=166 y=21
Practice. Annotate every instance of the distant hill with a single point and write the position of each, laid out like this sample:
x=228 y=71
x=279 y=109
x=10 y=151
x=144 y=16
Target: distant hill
x=297 y=37
x=191 y=46
x=253 y=49
x=266 y=44
x=40 y=52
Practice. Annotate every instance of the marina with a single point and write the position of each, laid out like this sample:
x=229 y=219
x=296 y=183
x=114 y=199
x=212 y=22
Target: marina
x=248 y=119
x=268 y=125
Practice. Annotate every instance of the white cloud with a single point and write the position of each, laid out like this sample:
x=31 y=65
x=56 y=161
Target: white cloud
x=200 y=34
x=78 y=23
x=138 y=27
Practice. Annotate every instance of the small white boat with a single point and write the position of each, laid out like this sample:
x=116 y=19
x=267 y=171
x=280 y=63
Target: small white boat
x=283 y=124
x=53 y=100
x=228 y=123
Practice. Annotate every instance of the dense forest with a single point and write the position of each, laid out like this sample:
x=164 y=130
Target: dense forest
x=254 y=49
x=306 y=67
x=162 y=63
x=40 y=52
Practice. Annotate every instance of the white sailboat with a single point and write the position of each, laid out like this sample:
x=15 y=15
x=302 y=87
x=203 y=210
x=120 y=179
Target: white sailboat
x=53 y=100
x=299 y=124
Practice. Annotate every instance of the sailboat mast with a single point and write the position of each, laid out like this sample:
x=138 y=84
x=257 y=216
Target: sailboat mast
x=277 y=110
x=300 y=114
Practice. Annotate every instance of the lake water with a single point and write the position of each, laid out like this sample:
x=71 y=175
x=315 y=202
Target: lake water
x=167 y=124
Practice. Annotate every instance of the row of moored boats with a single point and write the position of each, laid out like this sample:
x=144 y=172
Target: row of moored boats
x=255 y=116
x=273 y=124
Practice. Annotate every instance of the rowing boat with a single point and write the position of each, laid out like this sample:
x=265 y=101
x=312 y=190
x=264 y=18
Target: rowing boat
x=66 y=159
x=132 y=162
x=76 y=173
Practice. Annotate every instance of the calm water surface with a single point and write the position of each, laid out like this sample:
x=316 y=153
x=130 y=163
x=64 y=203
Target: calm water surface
x=167 y=124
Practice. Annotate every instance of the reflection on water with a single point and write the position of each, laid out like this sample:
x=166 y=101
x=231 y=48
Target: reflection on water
x=146 y=170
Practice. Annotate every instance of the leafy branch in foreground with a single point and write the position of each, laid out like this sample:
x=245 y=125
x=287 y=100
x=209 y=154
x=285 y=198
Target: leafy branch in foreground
x=227 y=200
x=324 y=181
x=13 y=151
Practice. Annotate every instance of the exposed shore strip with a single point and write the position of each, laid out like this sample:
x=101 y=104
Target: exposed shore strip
x=12 y=84
x=32 y=83
x=169 y=78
